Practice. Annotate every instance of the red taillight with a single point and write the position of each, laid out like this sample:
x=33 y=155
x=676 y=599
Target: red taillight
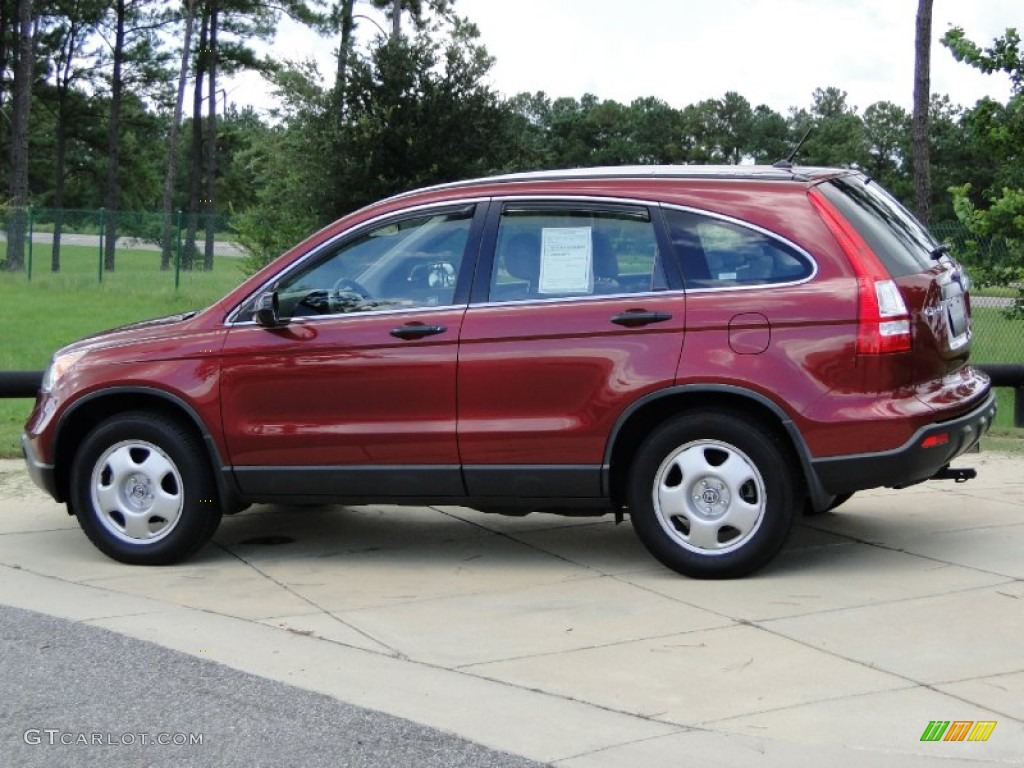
x=882 y=317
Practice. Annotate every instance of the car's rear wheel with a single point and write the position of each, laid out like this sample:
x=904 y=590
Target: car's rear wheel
x=712 y=495
x=143 y=491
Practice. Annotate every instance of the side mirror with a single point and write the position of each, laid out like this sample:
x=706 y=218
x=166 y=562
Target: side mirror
x=266 y=312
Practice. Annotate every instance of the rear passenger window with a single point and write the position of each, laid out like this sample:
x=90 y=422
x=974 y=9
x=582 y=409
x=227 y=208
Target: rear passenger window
x=550 y=251
x=715 y=253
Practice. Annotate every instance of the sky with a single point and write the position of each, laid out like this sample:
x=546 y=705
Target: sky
x=774 y=52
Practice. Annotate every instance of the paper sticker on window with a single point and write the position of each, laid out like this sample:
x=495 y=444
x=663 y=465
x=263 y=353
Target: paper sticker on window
x=566 y=261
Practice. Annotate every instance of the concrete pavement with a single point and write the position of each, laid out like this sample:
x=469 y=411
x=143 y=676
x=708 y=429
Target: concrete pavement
x=564 y=642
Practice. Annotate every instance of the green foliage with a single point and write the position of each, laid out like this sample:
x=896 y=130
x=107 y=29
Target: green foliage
x=994 y=214
x=769 y=136
x=290 y=169
x=414 y=111
x=1004 y=55
x=417 y=112
x=954 y=158
x=887 y=140
x=837 y=134
x=994 y=249
x=721 y=129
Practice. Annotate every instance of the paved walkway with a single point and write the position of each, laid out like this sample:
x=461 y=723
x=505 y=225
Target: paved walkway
x=562 y=641
x=220 y=247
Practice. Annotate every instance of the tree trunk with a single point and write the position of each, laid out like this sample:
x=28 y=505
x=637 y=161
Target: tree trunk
x=64 y=76
x=59 y=173
x=173 y=154
x=195 y=168
x=396 y=20
x=113 y=197
x=347 y=8
x=210 y=201
x=18 y=221
x=5 y=28
x=922 y=98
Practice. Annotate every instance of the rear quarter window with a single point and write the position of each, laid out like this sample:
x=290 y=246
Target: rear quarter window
x=901 y=243
x=715 y=253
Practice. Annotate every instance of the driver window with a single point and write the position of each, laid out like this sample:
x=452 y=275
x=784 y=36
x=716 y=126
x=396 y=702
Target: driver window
x=403 y=263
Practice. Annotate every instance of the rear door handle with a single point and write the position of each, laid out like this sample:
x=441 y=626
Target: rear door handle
x=635 y=319
x=417 y=330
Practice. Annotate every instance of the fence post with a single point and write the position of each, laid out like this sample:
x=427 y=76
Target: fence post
x=103 y=229
x=177 y=252
x=30 y=223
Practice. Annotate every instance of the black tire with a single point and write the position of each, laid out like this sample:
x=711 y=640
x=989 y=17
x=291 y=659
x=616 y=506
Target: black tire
x=143 y=490
x=712 y=495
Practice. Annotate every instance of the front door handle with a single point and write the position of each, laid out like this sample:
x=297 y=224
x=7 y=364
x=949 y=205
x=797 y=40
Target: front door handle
x=636 y=318
x=417 y=330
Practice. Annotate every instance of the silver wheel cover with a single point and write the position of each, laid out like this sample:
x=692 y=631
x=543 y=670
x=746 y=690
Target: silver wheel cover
x=137 y=492
x=709 y=497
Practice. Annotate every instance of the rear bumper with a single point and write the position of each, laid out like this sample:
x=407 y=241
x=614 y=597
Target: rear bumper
x=910 y=463
x=43 y=475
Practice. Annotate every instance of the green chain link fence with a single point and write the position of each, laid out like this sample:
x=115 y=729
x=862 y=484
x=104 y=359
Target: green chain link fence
x=77 y=244
x=996 y=299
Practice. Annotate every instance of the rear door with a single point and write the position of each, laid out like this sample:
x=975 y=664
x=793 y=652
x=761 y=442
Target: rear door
x=575 y=316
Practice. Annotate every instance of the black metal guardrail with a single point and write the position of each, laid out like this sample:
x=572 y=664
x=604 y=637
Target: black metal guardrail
x=26 y=384
x=20 y=383
x=1009 y=375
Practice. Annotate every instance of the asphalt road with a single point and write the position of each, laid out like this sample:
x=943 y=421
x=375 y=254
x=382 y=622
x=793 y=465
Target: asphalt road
x=75 y=695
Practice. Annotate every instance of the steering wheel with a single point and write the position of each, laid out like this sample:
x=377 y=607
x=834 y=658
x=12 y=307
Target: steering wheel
x=348 y=286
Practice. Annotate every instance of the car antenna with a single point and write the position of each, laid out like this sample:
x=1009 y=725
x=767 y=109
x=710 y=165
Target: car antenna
x=787 y=162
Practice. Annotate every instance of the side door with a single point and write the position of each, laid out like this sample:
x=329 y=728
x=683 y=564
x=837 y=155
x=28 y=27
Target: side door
x=355 y=395
x=576 y=314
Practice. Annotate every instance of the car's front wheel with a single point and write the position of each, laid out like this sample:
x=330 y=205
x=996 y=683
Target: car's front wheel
x=143 y=491
x=712 y=495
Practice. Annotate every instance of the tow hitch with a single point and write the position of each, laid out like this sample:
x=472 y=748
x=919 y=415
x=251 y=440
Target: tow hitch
x=957 y=474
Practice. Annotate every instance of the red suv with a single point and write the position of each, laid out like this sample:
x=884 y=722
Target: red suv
x=712 y=350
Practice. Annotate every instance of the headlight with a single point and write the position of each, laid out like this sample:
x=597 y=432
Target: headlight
x=60 y=365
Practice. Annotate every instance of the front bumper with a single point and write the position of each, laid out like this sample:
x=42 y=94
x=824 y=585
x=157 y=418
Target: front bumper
x=43 y=475
x=910 y=463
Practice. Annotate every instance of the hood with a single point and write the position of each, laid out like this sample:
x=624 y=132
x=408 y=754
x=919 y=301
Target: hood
x=165 y=320
x=132 y=332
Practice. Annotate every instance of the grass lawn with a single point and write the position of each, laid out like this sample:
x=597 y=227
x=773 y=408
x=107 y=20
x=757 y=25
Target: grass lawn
x=42 y=315
x=1001 y=291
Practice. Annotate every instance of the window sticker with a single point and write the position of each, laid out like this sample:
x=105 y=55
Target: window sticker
x=566 y=261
